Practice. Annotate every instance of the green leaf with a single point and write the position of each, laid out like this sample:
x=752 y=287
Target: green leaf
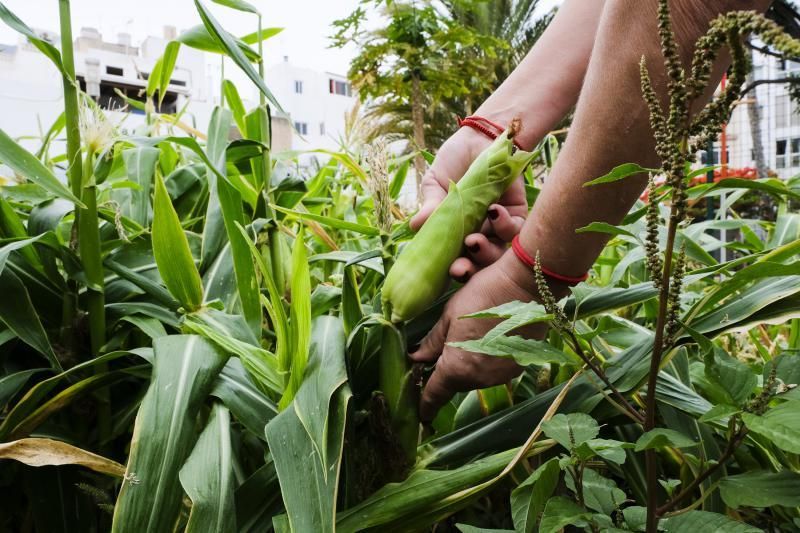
x=184 y=372
x=198 y=37
x=26 y=165
x=172 y=253
x=621 y=172
x=524 y=351
x=330 y=222
x=161 y=74
x=234 y=101
x=299 y=318
x=529 y=498
x=266 y=33
x=696 y=521
x=140 y=164
x=464 y=528
x=307 y=438
x=561 y=512
x=228 y=43
x=571 y=430
x=251 y=407
x=239 y=5
x=719 y=412
x=610 y=450
x=635 y=517
x=780 y=425
x=207 y=477
x=605 y=227
x=731 y=375
x=599 y=493
x=45 y=47
x=18 y=313
x=761 y=489
x=658 y=438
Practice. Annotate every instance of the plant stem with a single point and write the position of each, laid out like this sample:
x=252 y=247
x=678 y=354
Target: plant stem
x=731 y=447
x=74 y=166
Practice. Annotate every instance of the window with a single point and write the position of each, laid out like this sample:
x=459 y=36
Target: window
x=114 y=71
x=780 y=154
x=298 y=87
x=322 y=128
x=301 y=127
x=339 y=87
x=789 y=66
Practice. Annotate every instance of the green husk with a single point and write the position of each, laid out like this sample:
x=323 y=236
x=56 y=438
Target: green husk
x=420 y=274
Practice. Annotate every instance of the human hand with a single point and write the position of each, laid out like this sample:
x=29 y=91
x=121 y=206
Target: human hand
x=457 y=370
x=504 y=219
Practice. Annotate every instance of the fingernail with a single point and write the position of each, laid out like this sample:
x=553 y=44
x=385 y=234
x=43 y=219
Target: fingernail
x=474 y=248
x=493 y=213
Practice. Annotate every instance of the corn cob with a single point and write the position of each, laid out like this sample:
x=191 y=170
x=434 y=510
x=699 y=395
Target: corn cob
x=420 y=274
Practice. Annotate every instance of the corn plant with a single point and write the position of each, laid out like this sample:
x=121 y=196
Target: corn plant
x=194 y=335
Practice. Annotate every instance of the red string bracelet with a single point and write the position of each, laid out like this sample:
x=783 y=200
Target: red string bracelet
x=485 y=126
x=523 y=256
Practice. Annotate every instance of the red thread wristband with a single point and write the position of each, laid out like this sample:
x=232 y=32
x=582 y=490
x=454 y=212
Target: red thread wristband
x=487 y=127
x=523 y=256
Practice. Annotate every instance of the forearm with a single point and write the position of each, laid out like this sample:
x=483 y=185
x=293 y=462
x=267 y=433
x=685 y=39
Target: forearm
x=545 y=85
x=611 y=127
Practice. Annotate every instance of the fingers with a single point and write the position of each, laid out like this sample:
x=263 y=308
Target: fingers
x=462 y=269
x=433 y=192
x=502 y=223
x=432 y=345
x=436 y=393
x=483 y=251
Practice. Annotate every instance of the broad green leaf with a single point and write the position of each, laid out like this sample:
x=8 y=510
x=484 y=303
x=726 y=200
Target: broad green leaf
x=172 y=252
x=235 y=103
x=214 y=230
x=184 y=372
x=352 y=313
x=524 y=351
x=198 y=37
x=258 y=499
x=13 y=246
x=571 y=430
x=621 y=172
x=730 y=375
x=49 y=452
x=780 y=425
x=307 y=438
x=207 y=477
x=239 y=5
x=610 y=450
x=140 y=164
x=162 y=71
x=761 y=489
x=26 y=165
x=11 y=226
x=18 y=313
x=663 y=438
x=257 y=124
x=45 y=47
x=604 y=227
x=228 y=43
x=635 y=518
x=38 y=393
x=464 y=528
x=13 y=382
x=599 y=493
x=560 y=512
x=529 y=498
x=251 y=407
x=422 y=493
x=719 y=412
x=696 y=521
x=299 y=319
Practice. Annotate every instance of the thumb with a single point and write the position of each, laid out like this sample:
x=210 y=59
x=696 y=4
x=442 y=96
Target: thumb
x=432 y=195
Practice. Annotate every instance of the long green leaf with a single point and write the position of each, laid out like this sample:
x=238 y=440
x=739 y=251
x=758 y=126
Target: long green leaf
x=239 y=5
x=25 y=164
x=299 y=319
x=306 y=439
x=207 y=477
x=184 y=372
x=172 y=253
x=45 y=47
x=227 y=42
x=198 y=37
x=140 y=165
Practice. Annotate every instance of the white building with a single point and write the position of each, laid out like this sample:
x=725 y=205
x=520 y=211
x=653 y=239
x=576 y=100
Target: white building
x=779 y=121
x=31 y=94
x=317 y=103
